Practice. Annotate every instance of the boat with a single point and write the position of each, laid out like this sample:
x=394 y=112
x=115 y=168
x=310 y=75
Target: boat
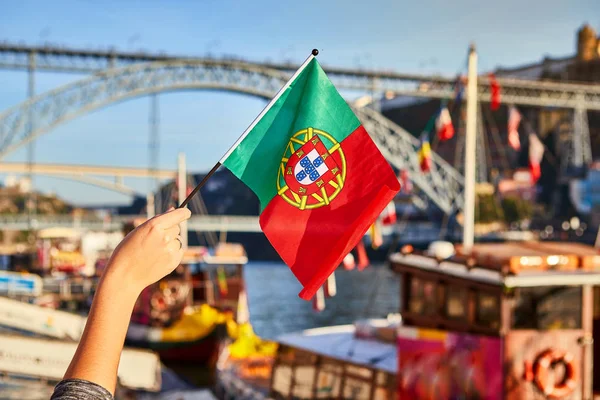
x=59 y=252
x=502 y=321
x=350 y=361
x=49 y=280
x=186 y=316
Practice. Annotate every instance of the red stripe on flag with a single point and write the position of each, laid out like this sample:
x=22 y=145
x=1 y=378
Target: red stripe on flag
x=536 y=154
x=443 y=125
x=495 y=96
x=514 y=119
x=389 y=215
x=314 y=242
x=363 y=259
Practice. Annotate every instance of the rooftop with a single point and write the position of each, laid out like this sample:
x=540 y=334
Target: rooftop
x=525 y=264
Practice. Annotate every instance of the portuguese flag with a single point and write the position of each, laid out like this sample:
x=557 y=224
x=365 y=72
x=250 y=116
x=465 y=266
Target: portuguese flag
x=320 y=179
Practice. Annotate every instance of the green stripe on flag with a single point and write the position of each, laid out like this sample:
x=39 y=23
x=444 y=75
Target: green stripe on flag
x=310 y=101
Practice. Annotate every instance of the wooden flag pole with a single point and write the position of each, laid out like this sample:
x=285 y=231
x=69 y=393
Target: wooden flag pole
x=214 y=169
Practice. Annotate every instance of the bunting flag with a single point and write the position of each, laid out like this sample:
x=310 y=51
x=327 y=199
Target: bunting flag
x=363 y=260
x=318 y=300
x=348 y=262
x=443 y=125
x=389 y=214
x=222 y=281
x=425 y=153
x=459 y=89
x=376 y=237
x=514 y=119
x=330 y=286
x=536 y=154
x=320 y=179
x=405 y=182
x=494 y=93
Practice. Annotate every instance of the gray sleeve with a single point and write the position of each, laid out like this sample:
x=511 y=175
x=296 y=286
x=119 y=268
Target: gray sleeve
x=78 y=389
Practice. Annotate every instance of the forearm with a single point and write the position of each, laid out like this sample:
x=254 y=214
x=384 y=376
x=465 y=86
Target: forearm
x=99 y=351
x=146 y=255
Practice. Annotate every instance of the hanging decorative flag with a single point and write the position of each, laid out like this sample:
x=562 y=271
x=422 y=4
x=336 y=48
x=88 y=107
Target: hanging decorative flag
x=376 y=237
x=494 y=93
x=514 y=119
x=443 y=125
x=425 y=153
x=459 y=89
x=389 y=214
x=363 y=260
x=330 y=286
x=536 y=154
x=222 y=281
x=319 y=300
x=349 y=262
x=405 y=182
x=320 y=178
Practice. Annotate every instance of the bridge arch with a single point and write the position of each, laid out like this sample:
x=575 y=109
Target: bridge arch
x=38 y=115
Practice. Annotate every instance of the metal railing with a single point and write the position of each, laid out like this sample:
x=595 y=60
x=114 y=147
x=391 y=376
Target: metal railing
x=208 y=223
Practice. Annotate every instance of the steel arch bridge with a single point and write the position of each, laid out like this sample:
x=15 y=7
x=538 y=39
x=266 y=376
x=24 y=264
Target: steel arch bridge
x=38 y=115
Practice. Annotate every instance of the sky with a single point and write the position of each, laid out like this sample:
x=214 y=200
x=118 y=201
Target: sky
x=430 y=37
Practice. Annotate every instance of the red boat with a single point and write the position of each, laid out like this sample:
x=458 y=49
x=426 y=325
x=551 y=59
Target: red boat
x=186 y=316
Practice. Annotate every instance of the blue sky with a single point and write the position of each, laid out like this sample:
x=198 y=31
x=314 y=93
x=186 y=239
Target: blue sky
x=408 y=36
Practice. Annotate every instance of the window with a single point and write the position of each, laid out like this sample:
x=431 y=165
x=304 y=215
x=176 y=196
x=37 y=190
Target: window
x=547 y=308
x=456 y=302
x=488 y=310
x=422 y=297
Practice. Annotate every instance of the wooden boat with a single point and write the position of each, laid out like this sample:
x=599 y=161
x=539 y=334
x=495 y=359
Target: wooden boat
x=186 y=316
x=505 y=321
x=350 y=361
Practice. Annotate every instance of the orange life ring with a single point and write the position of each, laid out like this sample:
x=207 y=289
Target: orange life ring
x=544 y=362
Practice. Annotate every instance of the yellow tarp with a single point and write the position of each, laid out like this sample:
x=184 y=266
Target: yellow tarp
x=195 y=324
x=247 y=344
x=201 y=321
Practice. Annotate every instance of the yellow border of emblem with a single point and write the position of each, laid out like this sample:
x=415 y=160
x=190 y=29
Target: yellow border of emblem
x=322 y=198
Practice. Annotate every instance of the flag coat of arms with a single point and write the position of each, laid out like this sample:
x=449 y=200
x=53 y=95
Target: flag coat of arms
x=320 y=179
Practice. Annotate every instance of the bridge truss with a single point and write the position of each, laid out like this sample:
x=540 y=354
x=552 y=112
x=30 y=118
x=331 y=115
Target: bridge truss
x=89 y=174
x=443 y=185
x=118 y=76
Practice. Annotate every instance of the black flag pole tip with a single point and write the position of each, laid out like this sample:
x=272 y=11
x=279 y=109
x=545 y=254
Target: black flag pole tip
x=214 y=169
x=199 y=186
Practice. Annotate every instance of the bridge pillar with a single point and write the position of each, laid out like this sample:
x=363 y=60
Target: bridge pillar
x=153 y=149
x=483 y=161
x=150 y=210
x=31 y=200
x=576 y=151
x=582 y=149
x=182 y=186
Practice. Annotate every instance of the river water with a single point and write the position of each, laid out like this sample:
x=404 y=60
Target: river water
x=275 y=307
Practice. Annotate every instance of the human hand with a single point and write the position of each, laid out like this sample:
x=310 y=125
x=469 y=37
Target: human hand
x=149 y=252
